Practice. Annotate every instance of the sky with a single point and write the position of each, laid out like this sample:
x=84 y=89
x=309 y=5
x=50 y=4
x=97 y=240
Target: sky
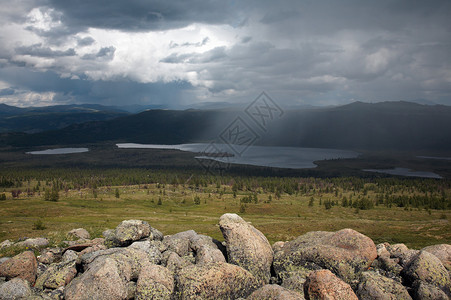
x=183 y=53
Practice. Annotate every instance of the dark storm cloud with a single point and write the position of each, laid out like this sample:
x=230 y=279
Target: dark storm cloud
x=309 y=50
x=114 y=92
x=141 y=15
x=39 y=50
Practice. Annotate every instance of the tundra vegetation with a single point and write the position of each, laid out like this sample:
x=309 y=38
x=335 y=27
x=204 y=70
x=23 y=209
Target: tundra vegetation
x=49 y=202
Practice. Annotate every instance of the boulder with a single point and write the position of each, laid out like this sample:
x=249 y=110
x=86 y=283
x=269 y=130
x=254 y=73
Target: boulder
x=214 y=281
x=127 y=232
x=428 y=268
x=442 y=252
x=102 y=281
x=16 y=288
x=323 y=284
x=346 y=253
x=296 y=280
x=23 y=265
x=6 y=244
x=180 y=242
x=152 y=249
x=57 y=275
x=79 y=233
x=401 y=252
x=155 y=282
x=426 y=291
x=174 y=262
x=69 y=256
x=247 y=247
x=33 y=243
x=274 y=292
x=375 y=286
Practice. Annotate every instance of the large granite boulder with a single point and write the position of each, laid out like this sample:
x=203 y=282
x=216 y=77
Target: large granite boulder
x=214 y=281
x=375 y=286
x=103 y=280
x=346 y=253
x=247 y=247
x=23 y=266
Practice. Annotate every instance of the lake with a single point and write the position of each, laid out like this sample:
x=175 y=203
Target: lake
x=59 y=151
x=278 y=157
x=405 y=172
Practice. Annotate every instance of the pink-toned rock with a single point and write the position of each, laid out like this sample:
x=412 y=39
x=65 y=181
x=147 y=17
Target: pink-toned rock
x=23 y=266
x=247 y=247
x=323 y=284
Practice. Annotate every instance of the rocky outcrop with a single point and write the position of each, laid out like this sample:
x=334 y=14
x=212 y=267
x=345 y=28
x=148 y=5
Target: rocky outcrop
x=346 y=253
x=246 y=246
x=136 y=261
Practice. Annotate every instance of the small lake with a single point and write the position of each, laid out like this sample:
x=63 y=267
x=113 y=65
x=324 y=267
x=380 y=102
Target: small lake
x=59 y=151
x=278 y=157
x=405 y=172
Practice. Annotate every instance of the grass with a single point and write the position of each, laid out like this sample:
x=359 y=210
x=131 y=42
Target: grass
x=282 y=219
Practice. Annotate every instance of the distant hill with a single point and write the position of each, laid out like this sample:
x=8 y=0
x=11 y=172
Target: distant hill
x=359 y=126
x=38 y=119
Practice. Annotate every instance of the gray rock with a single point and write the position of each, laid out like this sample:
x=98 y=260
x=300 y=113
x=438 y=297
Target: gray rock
x=156 y=235
x=274 y=292
x=323 y=284
x=69 y=256
x=57 y=275
x=296 y=280
x=3 y=259
x=346 y=253
x=442 y=252
x=16 y=288
x=152 y=250
x=155 y=282
x=175 y=262
x=127 y=232
x=247 y=247
x=375 y=286
x=6 y=244
x=428 y=268
x=103 y=280
x=214 y=281
x=206 y=254
x=180 y=242
x=34 y=243
x=79 y=233
x=426 y=291
x=403 y=253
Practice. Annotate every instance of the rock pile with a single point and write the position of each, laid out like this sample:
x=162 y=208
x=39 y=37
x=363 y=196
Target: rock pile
x=136 y=261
